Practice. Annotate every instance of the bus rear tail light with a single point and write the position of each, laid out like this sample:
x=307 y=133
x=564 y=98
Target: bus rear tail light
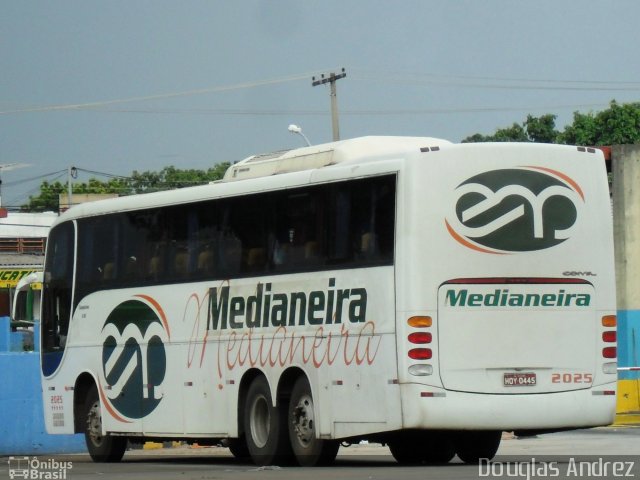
x=420 y=353
x=420 y=337
x=609 y=336
x=610 y=368
x=420 y=322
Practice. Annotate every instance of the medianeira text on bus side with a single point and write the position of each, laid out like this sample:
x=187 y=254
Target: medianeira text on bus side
x=272 y=308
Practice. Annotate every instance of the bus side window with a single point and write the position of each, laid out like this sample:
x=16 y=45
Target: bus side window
x=156 y=244
x=361 y=222
x=339 y=228
x=230 y=253
x=156 y=262
x=385 y=219
x=181 y=262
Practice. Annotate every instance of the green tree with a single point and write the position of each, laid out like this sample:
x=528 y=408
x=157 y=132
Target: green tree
x=541 y=129
x=514 y=133
x=47 y=200
x=139 y=182
x=171 y=177
x=533 y=129
x=618 y=124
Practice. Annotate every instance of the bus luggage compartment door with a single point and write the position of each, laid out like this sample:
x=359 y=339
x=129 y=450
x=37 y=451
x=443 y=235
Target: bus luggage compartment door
x=516 y=337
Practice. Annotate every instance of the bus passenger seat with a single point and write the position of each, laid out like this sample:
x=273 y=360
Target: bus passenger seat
x=181 y=263
x=154 y=266
x=368 y=245
x=256 y=258
x=310 y=250
x=131 y=268
x=109 y=271
x=205 y=262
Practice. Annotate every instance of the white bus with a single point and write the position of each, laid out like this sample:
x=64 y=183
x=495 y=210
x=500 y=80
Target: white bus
x=408 y=291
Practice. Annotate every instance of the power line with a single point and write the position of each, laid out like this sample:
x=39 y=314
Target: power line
x=503 y=82
x=224 y=88
x=30 y=179
x=377 y=112
x=110 y=175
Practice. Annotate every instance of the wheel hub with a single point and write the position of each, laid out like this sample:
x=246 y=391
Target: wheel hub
x=94 y=424
x=303 y=421
x=260 y=421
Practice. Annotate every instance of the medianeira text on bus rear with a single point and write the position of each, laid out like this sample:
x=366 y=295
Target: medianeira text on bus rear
x=464 y=297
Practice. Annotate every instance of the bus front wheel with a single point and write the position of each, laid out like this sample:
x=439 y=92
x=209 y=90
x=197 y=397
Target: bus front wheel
x=471 y=446
x=102 y=447
x=265 y=430
x=307 y=448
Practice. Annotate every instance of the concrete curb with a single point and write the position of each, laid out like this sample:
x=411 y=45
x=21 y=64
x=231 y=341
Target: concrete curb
x=158 y=445
x=627 y=419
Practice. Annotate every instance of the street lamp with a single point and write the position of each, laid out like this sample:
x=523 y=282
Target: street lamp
x=296 y=129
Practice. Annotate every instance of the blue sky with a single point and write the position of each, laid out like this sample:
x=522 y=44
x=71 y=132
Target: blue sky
x=116 y=86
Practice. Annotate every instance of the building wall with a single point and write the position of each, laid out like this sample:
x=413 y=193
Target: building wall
x=626 y=220
x=22 y=430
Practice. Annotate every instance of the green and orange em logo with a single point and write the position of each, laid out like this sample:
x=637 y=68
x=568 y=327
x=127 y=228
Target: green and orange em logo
x=515 y=210
x=134 y=359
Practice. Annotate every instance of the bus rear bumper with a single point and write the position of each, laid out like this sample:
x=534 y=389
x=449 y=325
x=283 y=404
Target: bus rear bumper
x=435 y=408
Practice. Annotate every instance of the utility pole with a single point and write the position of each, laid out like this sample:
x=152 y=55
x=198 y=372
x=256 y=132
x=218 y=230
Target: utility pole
x=331 y=79
x=72 y=172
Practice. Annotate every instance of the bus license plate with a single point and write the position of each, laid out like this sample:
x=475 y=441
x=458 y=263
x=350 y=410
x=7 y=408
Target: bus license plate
x=519 y=379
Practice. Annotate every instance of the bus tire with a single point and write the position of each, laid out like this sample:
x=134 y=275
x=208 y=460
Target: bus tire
x=439 y=448
x=307 y=448
x=265 y=428
x=102 y=448
x=405 y=452
x=471 y=446
x=422 y=447
x=238 y=448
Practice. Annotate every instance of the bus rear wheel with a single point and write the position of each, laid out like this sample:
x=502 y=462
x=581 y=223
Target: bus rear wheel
x=422 y=447
x=472 y=446
x=265 y=428
x=238 y=448
x=102 y=448
x=307 y=448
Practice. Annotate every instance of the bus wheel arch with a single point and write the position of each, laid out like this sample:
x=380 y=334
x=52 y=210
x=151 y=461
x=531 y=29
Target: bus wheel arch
x=286 y=382
x=83 y=384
